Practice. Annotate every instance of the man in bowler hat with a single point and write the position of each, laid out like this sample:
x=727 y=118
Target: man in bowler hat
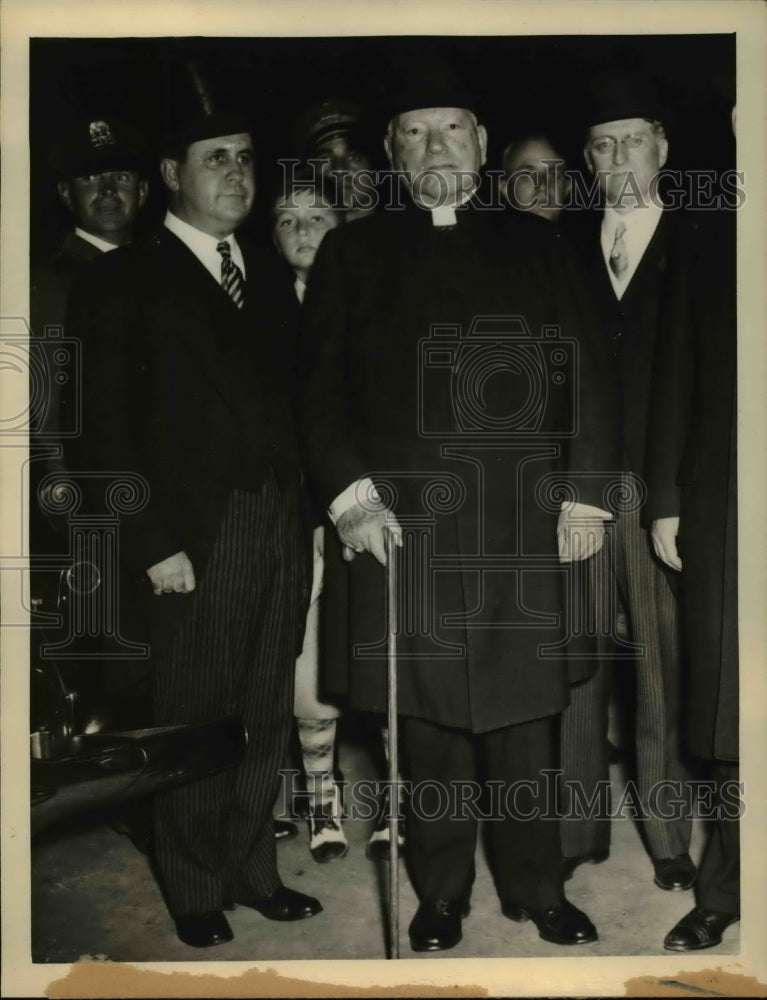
x=185 y=386
x=478 y=698
x=627 y=249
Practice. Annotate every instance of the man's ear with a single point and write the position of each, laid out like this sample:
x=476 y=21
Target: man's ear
x=143 y=192
x=482 y=138
x=387 y=147
x=65 y=194
x=169 y=173
x=588 y=159
x=662 y=150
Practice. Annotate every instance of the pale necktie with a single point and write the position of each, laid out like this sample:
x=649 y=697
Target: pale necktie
x=619 y=258
x=231 y=276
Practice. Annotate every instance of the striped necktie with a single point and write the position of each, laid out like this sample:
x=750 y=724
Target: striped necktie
x=619 y=258
x=231 y=276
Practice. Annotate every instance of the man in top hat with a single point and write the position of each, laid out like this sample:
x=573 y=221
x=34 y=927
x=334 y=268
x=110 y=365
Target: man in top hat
x=185 y=387
x=389 y=452
x=627 y=250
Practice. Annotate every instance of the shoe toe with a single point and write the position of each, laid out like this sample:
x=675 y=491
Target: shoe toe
x=674 y=874
x=203 y=930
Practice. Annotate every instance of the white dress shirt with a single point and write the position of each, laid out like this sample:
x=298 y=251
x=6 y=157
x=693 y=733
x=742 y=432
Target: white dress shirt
x=95 y=241
x=204 y=246
x=640 y=225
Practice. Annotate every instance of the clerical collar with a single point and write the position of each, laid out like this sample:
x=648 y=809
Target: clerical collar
x=444 y=216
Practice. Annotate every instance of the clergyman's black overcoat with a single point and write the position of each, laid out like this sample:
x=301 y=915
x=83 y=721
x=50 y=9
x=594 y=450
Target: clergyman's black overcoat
x=464 y=430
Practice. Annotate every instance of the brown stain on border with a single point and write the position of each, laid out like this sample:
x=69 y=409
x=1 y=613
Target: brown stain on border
x=107 y=979
x=703 y=983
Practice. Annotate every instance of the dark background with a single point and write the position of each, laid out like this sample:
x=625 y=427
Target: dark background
x=531 y=82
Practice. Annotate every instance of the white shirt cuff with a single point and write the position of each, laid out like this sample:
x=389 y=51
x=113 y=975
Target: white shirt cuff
x=585 y=510
x=361 y=491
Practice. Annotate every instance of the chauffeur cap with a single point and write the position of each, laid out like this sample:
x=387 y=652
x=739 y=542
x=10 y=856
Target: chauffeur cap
x=95 y=145
x=330 y=117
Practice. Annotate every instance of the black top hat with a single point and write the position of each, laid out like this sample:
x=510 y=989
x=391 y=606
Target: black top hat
x=94 y=145
x=614 y=94
x=192 y=111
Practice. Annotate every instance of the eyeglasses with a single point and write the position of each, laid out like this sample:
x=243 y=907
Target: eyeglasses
x=604 y=144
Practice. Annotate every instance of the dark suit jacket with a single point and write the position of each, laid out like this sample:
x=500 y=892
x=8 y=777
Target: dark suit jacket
x=182 y=388
x=691 y=472
x=398 y=387
x=50 y=283
x=630 y=325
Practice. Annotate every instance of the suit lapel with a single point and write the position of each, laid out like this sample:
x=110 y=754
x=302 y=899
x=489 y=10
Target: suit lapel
x=211 y=327
x=651 y=266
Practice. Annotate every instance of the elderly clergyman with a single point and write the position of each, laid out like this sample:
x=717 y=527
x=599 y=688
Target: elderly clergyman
x=419 y=422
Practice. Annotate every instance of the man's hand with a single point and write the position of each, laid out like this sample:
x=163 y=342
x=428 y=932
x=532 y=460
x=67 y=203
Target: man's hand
x=663 y=533
x=172 y=575
x=580 y=532
x=365 y=529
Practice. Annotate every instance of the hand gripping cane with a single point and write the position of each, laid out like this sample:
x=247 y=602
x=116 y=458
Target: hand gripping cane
x=391 y=703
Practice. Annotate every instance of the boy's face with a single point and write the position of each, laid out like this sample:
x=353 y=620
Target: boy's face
x=300 y=222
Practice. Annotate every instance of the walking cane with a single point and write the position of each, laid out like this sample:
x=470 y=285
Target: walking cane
x=391 y=669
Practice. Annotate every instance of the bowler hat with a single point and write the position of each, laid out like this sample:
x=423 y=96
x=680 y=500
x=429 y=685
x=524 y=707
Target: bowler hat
x=615 y=94
x=94 y=145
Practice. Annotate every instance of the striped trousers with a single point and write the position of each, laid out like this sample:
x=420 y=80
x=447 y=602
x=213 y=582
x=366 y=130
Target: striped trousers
x=627 y=562
x=231 y=651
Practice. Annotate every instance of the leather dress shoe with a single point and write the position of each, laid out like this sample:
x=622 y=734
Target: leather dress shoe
x=284 y=904
x=202 y=930
x=561 y=923
x=284 y=829
x=570 y=864
x=436 y=925
x=701 y=928
x=674 y=874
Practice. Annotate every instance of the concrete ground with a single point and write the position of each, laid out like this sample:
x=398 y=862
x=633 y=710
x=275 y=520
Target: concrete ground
x=93 y=895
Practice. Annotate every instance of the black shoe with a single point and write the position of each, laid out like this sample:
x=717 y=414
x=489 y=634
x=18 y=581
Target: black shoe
x=436 y=925
x=674 y=874
x=570 y=864
x=699 y=929
x=284 y=904
x=202 y=930
x=561 y=923
x=284 y=829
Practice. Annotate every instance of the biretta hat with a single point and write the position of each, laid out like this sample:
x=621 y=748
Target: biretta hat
x=426 y=82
